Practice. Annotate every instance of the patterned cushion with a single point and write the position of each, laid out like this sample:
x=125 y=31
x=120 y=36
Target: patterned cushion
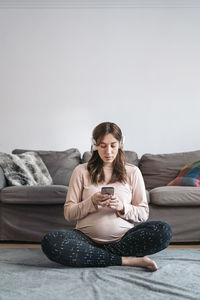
x=160 y=169
x=24 y=169
x=60 y=164
x=189 y=175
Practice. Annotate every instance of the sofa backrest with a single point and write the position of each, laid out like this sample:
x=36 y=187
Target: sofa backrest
x=160 y=169
x=130 y=156
x=60 y=164
x=157 y=169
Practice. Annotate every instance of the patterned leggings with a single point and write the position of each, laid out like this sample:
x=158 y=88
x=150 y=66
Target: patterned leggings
x=73 y=248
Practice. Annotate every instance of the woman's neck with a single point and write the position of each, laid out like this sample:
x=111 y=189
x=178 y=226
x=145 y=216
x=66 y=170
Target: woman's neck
x=108 y=165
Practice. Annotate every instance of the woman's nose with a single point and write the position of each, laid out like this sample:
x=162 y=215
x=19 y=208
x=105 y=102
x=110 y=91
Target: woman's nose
x=108 y=149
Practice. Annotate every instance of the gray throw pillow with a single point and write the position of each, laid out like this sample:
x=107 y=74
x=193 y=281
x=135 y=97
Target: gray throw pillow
x=24 y=169
x=60 y=164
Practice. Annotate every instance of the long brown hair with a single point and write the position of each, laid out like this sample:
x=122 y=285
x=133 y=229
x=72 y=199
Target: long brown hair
x=95 y=164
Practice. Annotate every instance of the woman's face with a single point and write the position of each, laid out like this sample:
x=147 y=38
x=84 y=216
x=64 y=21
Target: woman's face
x=108 y=148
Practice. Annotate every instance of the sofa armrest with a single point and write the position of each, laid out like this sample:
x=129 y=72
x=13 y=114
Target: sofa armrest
x=2 y=179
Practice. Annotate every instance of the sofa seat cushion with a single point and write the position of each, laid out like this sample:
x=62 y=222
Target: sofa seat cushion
x=60 y=164
x=175 y=196
x=148 y=196
x=44 y=195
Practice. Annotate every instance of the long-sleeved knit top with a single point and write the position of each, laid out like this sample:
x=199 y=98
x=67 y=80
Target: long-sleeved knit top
x=104 y=224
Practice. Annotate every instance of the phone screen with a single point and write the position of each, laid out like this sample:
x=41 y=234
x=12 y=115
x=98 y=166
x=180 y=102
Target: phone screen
x=107 y=190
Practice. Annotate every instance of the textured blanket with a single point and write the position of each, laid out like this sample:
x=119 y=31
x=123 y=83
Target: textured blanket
x=28 y=274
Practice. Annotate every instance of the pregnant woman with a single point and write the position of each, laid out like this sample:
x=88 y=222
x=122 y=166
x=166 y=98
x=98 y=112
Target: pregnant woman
x=105 y=232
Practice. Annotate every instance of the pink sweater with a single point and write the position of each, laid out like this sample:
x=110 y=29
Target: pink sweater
x=104 y=224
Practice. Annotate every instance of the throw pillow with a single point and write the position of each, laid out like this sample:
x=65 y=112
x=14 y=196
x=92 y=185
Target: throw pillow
x=60 y=164
x=24 y=169
x=189 y=175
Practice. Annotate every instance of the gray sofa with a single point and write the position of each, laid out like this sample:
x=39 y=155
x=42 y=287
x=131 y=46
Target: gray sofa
x=28 y=212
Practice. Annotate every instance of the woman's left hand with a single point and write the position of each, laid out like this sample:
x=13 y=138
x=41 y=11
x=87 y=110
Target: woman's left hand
x=116 y=203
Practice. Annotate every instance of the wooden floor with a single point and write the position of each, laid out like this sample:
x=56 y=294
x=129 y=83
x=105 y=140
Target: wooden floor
x=3 y=245
x=13 y=245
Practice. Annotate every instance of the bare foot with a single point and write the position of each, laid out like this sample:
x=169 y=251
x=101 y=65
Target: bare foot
x=143 y=262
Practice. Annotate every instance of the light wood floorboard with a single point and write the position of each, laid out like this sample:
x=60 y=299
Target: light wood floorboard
x=184 y=246
x=2 y=245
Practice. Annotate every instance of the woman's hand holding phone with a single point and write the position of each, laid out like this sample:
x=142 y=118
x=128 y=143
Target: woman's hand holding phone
x=114 y=202
x=101 y=199
x=117 y=204
x=107 y=198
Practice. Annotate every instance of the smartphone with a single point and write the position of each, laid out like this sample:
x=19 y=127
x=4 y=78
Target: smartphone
x=107 y=190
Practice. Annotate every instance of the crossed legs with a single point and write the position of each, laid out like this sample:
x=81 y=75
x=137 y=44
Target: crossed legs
x=73 y=248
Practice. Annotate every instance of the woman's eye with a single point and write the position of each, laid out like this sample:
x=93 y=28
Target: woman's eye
x=103 y=147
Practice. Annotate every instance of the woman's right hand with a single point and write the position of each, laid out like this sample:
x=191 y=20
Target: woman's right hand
x=100 y=199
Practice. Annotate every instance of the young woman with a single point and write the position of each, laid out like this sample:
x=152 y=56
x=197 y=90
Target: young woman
x=105 y=233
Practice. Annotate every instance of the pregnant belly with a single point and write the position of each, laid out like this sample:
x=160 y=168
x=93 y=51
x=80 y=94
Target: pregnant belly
x=104 y=225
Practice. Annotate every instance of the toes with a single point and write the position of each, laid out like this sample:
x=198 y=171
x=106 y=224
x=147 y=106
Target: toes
x=154 y=267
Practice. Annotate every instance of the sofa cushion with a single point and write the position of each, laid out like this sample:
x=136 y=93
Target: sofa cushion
x=3 y=182
x=148 y=196
x=44 y=195
x=24 y=169
x=130 y=156
x=175 y=196
x=160 y=169
x=188 y=176
x=59 y=163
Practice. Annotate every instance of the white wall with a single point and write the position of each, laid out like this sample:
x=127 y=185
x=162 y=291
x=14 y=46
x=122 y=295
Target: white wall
x=63 y=71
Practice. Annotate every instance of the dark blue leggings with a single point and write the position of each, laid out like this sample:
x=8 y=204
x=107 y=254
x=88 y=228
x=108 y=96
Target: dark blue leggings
x=73 y=248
